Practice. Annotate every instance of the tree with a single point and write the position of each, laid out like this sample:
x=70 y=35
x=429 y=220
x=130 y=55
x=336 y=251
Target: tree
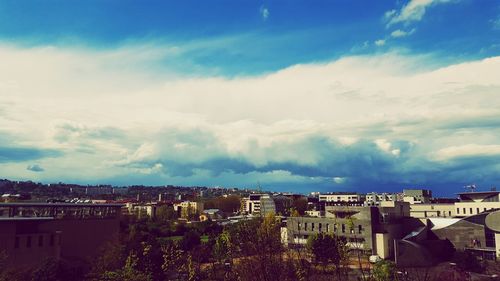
x=129 y=272
x=467 y=261
x=165 y=213
x=172 y=259
x=384 y=271
x=300 y=204
x=222 y=248
x=190 y=240
x=324 y=247
x=111 y=258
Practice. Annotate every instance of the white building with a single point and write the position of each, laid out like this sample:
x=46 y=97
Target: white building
x=374 y=198
x=340 y=197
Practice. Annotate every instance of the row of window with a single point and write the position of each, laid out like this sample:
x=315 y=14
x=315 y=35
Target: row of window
x=41 y=241
x=327 y=227
x=350 y=239
x=471 y=210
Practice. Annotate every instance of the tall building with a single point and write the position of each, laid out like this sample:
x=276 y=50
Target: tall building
x=417 y=196
x=258 y=204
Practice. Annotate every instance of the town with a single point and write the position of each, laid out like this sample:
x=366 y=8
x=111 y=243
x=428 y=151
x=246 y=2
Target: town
x=180 y=233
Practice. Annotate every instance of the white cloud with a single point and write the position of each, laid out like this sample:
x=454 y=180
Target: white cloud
x=401 y=33
x=380 y=42
x=264 y=13
x=496 y=23
x=468 y=150
x=412 y=11
x=106 y=110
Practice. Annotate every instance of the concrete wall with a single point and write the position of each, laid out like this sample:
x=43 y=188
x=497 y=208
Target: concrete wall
x=461 y=233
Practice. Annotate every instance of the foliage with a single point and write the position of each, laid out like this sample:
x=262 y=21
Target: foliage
x=222 y=249
x=129 y=272
x=300 y=205
x=384 y=271
x=325 y=248
x=467 y=261
x=190 y=240
x=229 y=204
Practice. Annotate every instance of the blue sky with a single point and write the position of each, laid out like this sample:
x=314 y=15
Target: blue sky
x=294 y=95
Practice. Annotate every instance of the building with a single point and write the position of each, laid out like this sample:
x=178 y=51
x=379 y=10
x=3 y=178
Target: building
x=258 y=204
x=371 y=229
x=374 y=198
x=33 y=232
x=211 y=214
x=417 y=196
x=340 y=197
x=188 y=209
x=142 y=210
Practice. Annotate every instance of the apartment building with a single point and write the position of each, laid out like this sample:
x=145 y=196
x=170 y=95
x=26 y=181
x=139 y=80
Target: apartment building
x=417 y=196
x=258 y=204
x=374 y=198
x=340 y=197
x=187 y=209
x=371 y=229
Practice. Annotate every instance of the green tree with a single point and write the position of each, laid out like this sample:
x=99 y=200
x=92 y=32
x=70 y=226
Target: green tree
x=165 y=213
x=190 y=240
x=129 y=272
x=467 y=261
x=324 y=247
x=222 y=248
x=384 y=271
x=173 y=259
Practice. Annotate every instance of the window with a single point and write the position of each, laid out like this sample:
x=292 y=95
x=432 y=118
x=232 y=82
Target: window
x=458 y=211
x=16 y=243
x=360 y=229
x=312 y=226
x=465 y=212
x=298 y=226
x=343 y=228
x=40 y=241
x=470 y=209
x=305 y=226
x=335 y=227
x=449 y=213
x=327 y=227
x=477 y=209
x=320 y=226
x=28 y=242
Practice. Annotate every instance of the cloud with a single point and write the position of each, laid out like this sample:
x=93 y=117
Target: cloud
x=413 y=11
x=387 y=120
x=21 y=154
x=380 y=42
x=35 y=168
x=496 y=23
x=264 y=13
x=401 y=33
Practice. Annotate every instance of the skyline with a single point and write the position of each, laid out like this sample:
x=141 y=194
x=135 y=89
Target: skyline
x=339 y=95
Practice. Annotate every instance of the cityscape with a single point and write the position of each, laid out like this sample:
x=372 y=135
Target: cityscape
x=257 y=140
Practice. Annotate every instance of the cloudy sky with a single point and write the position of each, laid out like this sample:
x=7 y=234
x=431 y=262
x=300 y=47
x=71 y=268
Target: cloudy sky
x=295 y=95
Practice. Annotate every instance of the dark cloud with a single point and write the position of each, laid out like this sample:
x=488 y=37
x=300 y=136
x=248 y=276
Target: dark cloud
x=35 y=168
x=363 y=164
x=21 y=154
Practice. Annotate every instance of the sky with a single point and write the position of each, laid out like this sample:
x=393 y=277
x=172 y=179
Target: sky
x=293 y=96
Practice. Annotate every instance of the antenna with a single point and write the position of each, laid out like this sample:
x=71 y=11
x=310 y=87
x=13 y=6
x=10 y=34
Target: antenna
x=470 y=188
